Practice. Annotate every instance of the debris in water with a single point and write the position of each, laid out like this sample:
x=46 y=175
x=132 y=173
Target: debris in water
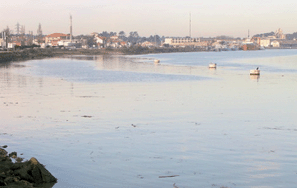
x=174 y=186
x=172 y=176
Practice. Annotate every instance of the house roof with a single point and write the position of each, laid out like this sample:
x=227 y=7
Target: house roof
x=57 y=35
x=146 y=42
x=102 y=38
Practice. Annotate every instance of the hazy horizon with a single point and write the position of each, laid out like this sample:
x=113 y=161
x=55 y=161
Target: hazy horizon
x=161 y=17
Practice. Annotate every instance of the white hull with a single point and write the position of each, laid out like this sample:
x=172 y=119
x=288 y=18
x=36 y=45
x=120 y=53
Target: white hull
x=212 y=65
x=157 y=61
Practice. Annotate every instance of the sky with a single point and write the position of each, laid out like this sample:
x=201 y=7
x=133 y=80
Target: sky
x=169 y=18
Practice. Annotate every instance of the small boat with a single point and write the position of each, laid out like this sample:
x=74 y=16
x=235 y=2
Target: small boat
x=255 y=72
x=157 y=61
x=212 y=65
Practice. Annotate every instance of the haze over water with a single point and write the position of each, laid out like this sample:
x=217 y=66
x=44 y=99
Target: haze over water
x=122 y=121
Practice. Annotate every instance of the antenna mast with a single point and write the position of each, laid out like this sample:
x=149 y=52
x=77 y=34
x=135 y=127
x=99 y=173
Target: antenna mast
x=18 y=29
x=248 y=34
x=190 y=26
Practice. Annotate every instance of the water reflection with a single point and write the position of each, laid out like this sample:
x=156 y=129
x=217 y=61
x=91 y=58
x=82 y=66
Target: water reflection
x=255 y=77
x=8 y=77
x=144 y=65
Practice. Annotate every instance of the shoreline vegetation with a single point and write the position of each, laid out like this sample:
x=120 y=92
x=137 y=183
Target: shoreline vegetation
x=42 y=53
x=39 y=53
x=28 y=174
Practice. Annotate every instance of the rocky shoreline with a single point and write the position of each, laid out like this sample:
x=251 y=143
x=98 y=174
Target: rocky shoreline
x=28 y=174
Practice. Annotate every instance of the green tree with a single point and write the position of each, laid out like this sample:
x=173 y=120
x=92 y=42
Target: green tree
x=122 y=34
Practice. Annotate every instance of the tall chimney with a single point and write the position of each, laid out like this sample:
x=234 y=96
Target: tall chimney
x=190 y=32
x=70 y=28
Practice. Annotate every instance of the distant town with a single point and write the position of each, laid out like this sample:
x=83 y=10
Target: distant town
x=21 y=39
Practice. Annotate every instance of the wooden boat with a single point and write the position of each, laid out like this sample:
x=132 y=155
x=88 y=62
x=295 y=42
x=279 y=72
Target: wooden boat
x=255 y=72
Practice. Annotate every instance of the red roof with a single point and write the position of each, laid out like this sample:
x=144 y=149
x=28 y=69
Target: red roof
x=57 y=35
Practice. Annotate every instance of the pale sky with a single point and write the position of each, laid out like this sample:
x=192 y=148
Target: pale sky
x=210 y=18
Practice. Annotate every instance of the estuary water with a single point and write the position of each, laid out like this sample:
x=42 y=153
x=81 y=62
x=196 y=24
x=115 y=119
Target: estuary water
x=123 y=121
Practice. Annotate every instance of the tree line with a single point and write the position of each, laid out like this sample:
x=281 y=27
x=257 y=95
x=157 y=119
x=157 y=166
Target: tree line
x=133 y=37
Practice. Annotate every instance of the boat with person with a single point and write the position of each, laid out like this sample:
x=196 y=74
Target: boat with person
x=255 y=71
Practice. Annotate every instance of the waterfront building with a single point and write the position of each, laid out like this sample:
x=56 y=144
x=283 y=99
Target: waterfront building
x=124 y=44
x=181 y=41
x=114 y=38
x=265 y=42
x=54 y=38
x=147 y=44
x=187 y=41
x=275 y=44
x=60 y=39
x=2 y=44
x=13 y=44
x=70 y=43
x=284 y=44
x=101 y=41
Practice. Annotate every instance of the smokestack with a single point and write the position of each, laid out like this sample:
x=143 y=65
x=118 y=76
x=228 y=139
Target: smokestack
x=190 y=26
x=70 y=28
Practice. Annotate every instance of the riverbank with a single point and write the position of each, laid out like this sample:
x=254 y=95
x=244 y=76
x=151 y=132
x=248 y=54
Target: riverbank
x=38 y=53
x=27 y=54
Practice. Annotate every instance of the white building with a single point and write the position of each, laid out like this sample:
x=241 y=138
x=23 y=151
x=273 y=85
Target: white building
x=2 y=43
x=183 y=40
x=11 y=45
x=275 y=44
x=147 y=44
x=69 y=43
x=265 y=42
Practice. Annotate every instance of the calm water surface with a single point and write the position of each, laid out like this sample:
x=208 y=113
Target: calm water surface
x=122 y=121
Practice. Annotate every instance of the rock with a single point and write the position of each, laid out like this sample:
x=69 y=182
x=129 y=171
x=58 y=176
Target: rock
x=3 y=153
x=34 y=161
x=21 y=183
x=10 y=179
x=40 y=173
x=19 y=159
x=23 y=174
x=13 y=155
